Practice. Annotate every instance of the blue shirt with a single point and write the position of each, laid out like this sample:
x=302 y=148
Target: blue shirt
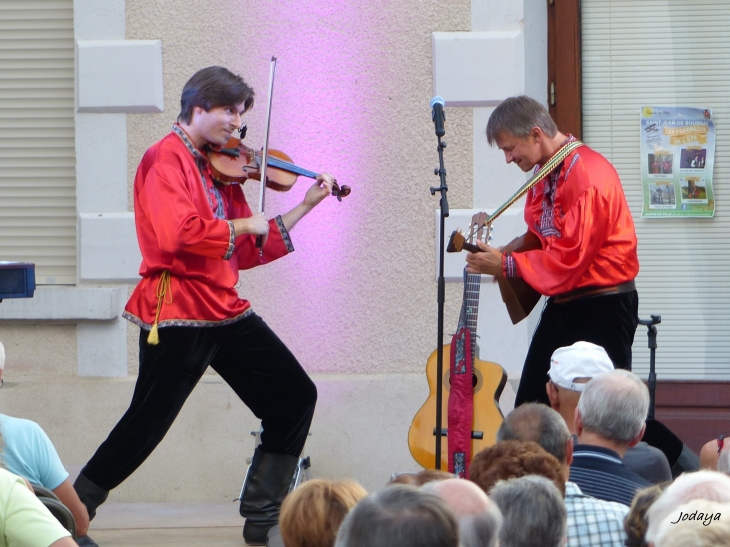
x=28 y=452
x=599 y=472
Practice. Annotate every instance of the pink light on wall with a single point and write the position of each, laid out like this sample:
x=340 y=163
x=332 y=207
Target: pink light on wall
x=323 y=117
x=351 y=98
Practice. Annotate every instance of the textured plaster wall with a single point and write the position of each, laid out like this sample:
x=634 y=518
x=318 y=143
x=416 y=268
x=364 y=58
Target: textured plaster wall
x=351 y=98
x=34 y=350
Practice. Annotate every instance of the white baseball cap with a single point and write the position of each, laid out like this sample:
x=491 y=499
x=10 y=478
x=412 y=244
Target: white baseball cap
x=581 y=360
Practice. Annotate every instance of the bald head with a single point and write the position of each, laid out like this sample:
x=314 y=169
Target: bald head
x=479 y=518
x=464 y=497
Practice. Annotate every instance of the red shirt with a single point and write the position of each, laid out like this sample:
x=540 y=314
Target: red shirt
x=182 y=225
x=583 y=221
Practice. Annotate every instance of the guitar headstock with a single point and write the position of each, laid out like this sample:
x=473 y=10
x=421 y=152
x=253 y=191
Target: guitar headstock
x=479 y=229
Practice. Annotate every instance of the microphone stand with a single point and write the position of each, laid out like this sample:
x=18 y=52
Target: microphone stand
x=651 y=334
x=444 y=204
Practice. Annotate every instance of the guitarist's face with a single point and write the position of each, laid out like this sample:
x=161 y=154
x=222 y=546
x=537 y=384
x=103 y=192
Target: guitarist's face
x=525 y=152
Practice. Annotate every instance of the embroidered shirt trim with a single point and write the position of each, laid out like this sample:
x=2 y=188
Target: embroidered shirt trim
x=510 y=266
x=547 y=226
x=284 y=234
x=185 y=322
x=231 y=241
x=215 y=200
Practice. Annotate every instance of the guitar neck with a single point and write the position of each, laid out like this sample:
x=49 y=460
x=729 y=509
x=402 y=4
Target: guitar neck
x=470 y=307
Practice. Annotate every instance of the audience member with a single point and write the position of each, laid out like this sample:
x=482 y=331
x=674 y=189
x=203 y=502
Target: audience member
x=571 y=368
x=591 y=522
x=699 y=523
x=512 y=459
x=29 y=453
x=710 y=452
x=723 y=461
x=479 y=518
x=533 y=512
x=420 y=478
x=705 y=485
x=312 y=513
x=610 y=418
x=399 y=516
x=636 y=523
x=23 y=518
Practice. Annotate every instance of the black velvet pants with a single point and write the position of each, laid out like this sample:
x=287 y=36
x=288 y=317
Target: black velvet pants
x=609 y=321
x=247 y=355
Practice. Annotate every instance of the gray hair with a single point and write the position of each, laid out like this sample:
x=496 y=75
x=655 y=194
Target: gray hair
x=482 y=529
x=614 y=405
x=702 y=532
x=479 y=518
x=517 y=116
x=533 y=510
x=723 y=462
x=538 y=423
x=706 y=485
x=399 y=516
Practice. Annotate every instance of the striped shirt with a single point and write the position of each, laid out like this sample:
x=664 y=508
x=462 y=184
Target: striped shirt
x=599 y=472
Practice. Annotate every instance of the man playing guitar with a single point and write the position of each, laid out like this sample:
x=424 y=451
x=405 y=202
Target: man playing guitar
x=583 y=253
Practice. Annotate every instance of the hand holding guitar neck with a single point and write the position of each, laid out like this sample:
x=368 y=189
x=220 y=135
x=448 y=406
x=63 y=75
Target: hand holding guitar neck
x=517 y=295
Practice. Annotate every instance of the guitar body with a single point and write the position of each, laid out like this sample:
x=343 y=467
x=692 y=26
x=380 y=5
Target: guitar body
x=517 y=295
x=489 y=381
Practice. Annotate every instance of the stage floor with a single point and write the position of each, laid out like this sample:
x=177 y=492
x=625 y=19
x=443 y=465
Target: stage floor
x=167 y=524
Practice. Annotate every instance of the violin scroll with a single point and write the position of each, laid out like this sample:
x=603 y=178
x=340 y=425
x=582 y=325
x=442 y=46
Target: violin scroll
x=340 y=191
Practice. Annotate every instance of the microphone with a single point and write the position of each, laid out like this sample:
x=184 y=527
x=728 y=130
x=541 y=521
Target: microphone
x=437 y=115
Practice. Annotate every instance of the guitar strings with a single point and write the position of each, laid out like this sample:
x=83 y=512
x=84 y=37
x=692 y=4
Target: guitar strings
x=551 y=164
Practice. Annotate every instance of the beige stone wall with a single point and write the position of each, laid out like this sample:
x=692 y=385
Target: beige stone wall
x=356 y=302
x=38 y=350
x=351 y=97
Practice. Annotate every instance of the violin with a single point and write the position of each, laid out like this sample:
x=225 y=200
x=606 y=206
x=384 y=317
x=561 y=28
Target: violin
x=236 y=163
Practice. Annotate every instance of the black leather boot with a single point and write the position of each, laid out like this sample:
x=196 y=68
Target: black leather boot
x=91 y=495
x=267 y=484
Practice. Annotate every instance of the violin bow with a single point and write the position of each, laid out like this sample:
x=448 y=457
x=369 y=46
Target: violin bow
x=265 y=152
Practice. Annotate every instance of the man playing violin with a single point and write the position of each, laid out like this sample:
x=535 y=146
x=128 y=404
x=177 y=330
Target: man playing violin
x=195 y=235
x=584 y=257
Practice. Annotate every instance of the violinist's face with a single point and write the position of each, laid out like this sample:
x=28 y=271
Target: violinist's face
x=216 y=125
x=524 y=152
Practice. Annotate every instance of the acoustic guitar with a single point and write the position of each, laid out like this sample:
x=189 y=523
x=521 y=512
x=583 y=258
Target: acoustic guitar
x=488 y=382
x=517 y=295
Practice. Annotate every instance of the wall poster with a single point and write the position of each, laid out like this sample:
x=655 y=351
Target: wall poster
x=677 y=156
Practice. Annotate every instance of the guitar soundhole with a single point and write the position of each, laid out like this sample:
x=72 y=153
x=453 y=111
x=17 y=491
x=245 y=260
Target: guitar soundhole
x=476 y=380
